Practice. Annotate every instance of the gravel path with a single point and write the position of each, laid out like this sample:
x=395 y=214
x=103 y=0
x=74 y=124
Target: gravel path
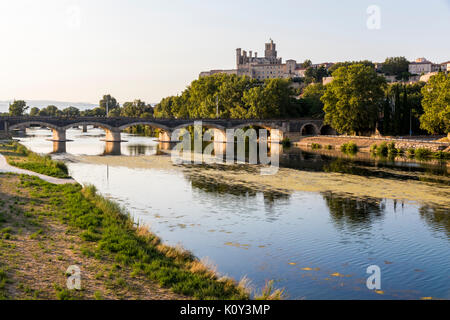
x=5 y=167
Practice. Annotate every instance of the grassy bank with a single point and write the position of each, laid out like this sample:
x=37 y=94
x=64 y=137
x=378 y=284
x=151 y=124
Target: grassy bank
x=65 y=225
x=19 y=156
x=45 y=228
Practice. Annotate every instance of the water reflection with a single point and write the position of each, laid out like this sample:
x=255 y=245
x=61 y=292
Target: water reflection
x=352 y=213
x=438 y=218
x=315 y=245
x=365 y=165
x=211 y=185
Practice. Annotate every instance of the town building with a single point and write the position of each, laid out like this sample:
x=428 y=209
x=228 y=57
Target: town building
x=423 y=66
x=269 y=66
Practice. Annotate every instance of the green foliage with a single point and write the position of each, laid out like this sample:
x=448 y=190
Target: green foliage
x=136 y=109
x=105 y=223
x=235 y=97
x=353 y=100
x=316 y=146
x=311 y=97
x=337 y=65
x=422 y=153
x=349 y=147
x=110 y=101
x=34 y=111
x=3 y=281
x=306 y=64
x=50 y=111
x=21 y=157
x=396 y=66
x=269 y=293
x=436 y=104
x=314 y=74
x=385 y=149
x=402 y=101
x=17 y=108
x=71 y=112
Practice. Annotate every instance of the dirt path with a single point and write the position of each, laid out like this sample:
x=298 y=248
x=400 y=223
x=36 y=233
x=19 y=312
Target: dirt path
x=5 y=168
x=36 y=249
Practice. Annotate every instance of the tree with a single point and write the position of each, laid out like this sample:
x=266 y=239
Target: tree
x=271 y=101
x=50 y=111
x=96 y=112
x=337 y=65
x=17 y=108
x=396 y=66
x=354 y=99
x=306 y=64
x=110 y=101
x=34 y=111
x=311 y=97
x=436 y=104
x=164 y=108
x=71 y=112
x=136 y=109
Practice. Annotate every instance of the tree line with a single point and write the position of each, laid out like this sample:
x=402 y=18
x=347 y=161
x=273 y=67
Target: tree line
x=357 y=101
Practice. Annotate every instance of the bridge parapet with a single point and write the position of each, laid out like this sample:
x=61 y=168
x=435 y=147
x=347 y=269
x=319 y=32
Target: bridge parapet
x=114 y=125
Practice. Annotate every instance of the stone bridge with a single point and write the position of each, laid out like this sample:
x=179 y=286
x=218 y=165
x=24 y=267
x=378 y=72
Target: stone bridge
x=279 y=129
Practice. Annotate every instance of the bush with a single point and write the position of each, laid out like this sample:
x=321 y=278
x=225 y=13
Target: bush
x=422 y=153
x=349 y=147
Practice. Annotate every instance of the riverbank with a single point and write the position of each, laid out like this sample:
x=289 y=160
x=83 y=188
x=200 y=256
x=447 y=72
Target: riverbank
x=365 y=143
x=45 y=228
x=17 y=155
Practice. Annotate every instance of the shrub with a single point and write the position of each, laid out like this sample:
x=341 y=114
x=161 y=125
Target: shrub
x=422 y=153
x=349 y=147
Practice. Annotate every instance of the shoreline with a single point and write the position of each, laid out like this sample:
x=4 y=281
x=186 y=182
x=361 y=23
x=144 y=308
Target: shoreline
x=86 y=229
x=364 y=143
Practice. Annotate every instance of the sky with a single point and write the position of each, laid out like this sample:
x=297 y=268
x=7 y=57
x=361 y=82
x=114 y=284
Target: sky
x=78 y=50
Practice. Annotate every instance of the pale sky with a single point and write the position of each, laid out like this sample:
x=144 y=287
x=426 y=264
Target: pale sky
x=79 y=50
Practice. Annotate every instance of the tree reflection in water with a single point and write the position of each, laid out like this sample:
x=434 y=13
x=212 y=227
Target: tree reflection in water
x=353 y=213
x=438 y=218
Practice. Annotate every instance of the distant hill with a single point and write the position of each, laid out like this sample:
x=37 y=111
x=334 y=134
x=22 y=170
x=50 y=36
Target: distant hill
x=43 y=103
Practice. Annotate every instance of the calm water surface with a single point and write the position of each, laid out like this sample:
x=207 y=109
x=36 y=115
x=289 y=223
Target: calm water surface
x=315 y=245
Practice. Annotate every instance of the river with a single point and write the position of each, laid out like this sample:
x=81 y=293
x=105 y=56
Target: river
x=313 y=228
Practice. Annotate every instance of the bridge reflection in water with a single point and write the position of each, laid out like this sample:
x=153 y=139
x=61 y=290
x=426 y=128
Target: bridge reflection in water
x=114 y=148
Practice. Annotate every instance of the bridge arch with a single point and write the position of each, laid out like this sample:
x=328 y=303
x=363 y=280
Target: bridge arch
x=327 y=130
x=219 y=130
x=28 y=124
x=264 y=125
x=89 y=123
x=309 y=129
x=145 y=123
x=208 y=125
x=276 y=131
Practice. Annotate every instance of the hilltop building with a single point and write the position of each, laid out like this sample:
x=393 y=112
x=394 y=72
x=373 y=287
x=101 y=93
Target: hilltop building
x=268 y=67
x=423 y=66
